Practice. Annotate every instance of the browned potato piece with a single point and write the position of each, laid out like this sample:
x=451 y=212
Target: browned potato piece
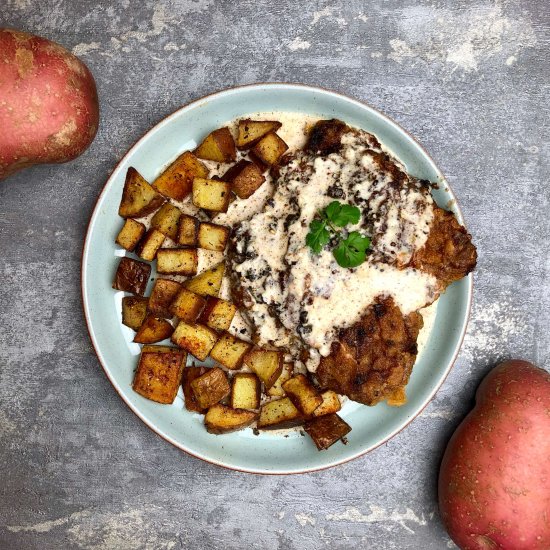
x=280 y=413
x=138 y=197
x=211 y=387
x=267 y=364
x=270 y=148
x=229 y=351
x=218 y=313
x=158 y=375
x=245 y=391
x=188 y=231
x=218 y=146
x=130 y=234
x=177 y=180
x=207 y=283
x=221 y=419
x=187 y=305
x=132 y=276
x=251 y=131
x=277 y=389
x=149 y=245
x=331 y=404
x=163 y=294
x=154 y=329
x=134 y=311
x=302 y=393
x=159 y=349
x=178 y=261
x=166 y=220
x=326 y=430
x=245 y=178
x=190 y=374
x=213 y=236
x=196 y=339
x=212 y=195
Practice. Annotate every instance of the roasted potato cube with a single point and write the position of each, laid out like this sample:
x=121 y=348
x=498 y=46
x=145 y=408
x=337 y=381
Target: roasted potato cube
x=229 y=351
x=163 y=294
x=159 y=349
x=245 y=178
x=166 y=220
x=331 y=404
x=158 y=375
x=211 y=194
x=262 y=166
x=218 y=313
x=221 y=419
x=207 y=283
x=132 y=276
x=188 y=231
x=251 y=131
x=138 y=197
x=213 y=236
x=267 y=364
x=270 y=148
x=245 y=391
x=277 y=389
x=190 y=374
x=134 y=311
x=302 y=393
x=154 y=329
x=130 y=234
x=178 y=261
x=176 y=181
x=218 y=146
x=280 y=413
x=326 y=430
x=211 y=387
x=196 y=339
x=187 y=305
x=149 y=245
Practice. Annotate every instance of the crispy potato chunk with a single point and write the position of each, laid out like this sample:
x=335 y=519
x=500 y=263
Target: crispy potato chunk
x=149 y=245
x=280 y=413
x=211 y=195
x=159 y=349
x=187 y=305
x=326 y=430
x=217 y=146
x=245 y=391
x=221 y=419
x=229 y=351
x=277 y=389
x=177 y=180
x=267 y=364
x=163 y=294
x=331 y=404
x=132 y=276
x=154 y=329
x=218 y=313
x=177 y=261
x=251 y=131
x=270 y=149
x=196 y=339
x=188 y=231
x=207 y=283
x=130 y=234
x=302 y=393
x=213 y=236
x=138 y=197
x=134 y=311
x=211 y=387
x=158 y=375
x=166 y=220
x=190 y=374
x=245 y=178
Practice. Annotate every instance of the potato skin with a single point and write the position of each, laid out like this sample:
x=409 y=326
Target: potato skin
x=494 y=482
x=50 y=109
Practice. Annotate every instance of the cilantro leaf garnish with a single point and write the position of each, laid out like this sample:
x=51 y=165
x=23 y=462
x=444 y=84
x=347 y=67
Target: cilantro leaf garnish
x=341 y=215
x=352 y=251
x=318 y=235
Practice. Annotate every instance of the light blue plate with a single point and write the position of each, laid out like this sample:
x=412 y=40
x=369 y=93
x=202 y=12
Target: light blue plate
x=270 y=453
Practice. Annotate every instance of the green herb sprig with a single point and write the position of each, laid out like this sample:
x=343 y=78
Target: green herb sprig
x=351 y=251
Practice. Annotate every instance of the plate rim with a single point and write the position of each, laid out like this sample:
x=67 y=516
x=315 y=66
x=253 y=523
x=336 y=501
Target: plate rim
x=83 y=279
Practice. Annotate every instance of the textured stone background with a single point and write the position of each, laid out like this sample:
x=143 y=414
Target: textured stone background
x=469 y=78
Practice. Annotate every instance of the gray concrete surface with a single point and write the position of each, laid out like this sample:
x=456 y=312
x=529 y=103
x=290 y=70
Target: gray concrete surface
x=469 y=78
